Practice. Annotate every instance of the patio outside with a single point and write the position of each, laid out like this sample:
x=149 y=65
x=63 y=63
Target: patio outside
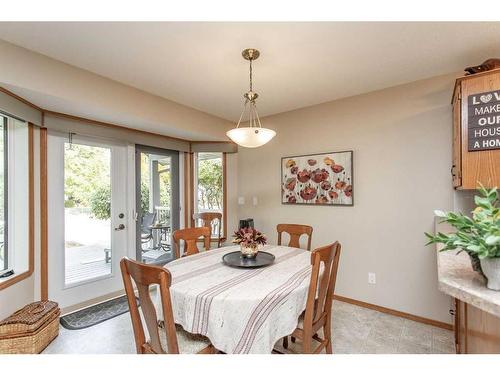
x=87 y=239
x=87 y=216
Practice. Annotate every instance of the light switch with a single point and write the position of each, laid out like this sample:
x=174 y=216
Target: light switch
x=241 y=201
x=254 y=201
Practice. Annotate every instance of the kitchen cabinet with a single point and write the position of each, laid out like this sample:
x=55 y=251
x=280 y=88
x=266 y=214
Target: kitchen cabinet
x=476 y=130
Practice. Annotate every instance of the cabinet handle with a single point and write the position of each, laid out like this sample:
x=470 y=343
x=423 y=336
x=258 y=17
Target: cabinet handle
x=452 y=312
x=452 y=170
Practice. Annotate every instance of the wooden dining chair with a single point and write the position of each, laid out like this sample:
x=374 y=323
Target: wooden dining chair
x=318 y=313
x=170 y=339
x=295 y=231
x=212 y=220
x=190 y=237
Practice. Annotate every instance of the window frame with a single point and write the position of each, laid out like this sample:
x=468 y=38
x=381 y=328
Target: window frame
x=194 y=189
x=5 y=266
x=17 y=277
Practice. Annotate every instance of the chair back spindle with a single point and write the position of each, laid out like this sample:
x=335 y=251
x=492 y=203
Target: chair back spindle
x=322 y=286
x=212 y=220
x=144 y=276
x=295 y=231
x=190 y=237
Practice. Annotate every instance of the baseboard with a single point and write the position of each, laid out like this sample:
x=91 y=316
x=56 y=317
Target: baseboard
x=401 y=314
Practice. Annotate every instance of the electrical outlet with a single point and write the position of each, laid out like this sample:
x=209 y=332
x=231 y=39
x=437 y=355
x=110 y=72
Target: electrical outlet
x=254 y=201
x=241 y=201
x=372 y=279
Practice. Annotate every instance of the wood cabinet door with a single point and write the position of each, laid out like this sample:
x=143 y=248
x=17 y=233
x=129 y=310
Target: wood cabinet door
x=483 y=332
x=456 y=169
x=478 y=166
x=460 y=327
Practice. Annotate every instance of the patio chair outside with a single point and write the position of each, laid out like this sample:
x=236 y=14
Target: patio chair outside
x=147 y=221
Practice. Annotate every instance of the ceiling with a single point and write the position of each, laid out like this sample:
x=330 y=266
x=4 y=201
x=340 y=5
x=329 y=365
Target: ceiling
x=199 y=64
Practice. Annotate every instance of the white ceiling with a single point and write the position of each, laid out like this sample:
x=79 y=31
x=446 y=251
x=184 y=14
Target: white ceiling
x=301 y=64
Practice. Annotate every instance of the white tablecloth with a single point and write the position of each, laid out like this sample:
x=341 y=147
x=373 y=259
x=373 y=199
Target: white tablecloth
x=240 y=310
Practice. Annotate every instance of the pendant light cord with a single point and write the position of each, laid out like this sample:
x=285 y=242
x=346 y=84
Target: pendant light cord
x=251 y=82
x=253 y=120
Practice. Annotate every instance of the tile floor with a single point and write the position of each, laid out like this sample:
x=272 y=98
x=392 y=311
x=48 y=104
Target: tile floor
x=355 y=330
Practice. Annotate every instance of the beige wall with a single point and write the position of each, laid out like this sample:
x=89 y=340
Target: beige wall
x=402 y=139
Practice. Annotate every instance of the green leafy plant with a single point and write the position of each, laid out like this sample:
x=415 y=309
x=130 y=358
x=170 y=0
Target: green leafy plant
x=210 y=184
x=478 y=235
x=100 y=201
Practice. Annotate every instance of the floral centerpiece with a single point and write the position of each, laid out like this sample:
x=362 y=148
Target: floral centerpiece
x=250 y=241
x=478 y=235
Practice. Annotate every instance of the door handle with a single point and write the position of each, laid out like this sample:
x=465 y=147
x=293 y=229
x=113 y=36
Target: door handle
x=120 y=227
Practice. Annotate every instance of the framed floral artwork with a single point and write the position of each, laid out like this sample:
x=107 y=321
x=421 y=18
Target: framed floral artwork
x=318 y=179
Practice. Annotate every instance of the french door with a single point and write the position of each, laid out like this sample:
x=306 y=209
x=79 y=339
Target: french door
x=88 y=223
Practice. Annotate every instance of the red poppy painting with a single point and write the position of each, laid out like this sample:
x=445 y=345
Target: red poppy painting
x=319 y=179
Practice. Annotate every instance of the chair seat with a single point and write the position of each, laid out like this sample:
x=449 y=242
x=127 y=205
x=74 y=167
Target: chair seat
x=188 y=343
x=300 y=323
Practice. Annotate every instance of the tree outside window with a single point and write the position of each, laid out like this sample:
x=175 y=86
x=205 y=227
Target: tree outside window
x=209 y=181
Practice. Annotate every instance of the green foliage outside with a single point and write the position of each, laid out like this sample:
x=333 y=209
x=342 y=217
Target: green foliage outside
x=100 y=201
x=87 y=170
x=478 y=235
x=210 y=192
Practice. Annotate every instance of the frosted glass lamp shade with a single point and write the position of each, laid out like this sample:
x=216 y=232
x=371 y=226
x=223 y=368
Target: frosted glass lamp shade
x=251 y=136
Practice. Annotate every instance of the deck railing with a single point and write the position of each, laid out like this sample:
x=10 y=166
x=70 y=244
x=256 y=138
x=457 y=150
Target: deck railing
x=163 y=214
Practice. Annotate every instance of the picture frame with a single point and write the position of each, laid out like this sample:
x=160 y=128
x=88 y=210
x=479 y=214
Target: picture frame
x=320 y=179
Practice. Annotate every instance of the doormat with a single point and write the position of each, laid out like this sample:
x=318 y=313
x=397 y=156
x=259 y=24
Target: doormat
x=96 y=314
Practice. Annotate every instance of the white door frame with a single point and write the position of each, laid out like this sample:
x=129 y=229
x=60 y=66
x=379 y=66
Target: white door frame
x=75 y=294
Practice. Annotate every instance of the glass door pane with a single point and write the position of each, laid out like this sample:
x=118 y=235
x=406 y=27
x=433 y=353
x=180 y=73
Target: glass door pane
x=158 y=212
x=87 y=212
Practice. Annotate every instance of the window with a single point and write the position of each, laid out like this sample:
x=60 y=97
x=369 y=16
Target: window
x=4 y=260
x=14 y=207
x=209 y=183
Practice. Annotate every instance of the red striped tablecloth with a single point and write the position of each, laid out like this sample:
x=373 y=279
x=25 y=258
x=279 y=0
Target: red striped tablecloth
x=240 y=310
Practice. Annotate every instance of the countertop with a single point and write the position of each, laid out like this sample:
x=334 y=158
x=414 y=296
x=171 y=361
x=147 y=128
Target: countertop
x=456 y=278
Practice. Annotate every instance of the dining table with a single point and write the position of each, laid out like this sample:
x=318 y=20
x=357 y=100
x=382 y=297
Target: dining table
x=240 y=310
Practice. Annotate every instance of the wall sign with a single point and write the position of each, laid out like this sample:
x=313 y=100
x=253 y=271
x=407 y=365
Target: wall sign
x=483 y=122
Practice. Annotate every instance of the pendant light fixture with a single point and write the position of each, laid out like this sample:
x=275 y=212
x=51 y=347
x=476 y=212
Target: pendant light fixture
x=253 y=135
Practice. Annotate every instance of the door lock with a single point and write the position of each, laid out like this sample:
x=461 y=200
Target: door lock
x=121 y=215
x=120 y=227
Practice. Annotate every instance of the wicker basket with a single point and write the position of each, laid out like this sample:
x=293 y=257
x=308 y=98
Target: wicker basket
x=31 y=329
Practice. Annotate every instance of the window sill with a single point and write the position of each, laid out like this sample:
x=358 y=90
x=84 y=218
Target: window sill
x=14 y=279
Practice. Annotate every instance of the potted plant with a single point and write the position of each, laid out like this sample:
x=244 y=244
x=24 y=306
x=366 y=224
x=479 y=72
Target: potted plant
x=250 y=241
x=478 y=235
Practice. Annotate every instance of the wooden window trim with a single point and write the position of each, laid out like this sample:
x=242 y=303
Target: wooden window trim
x=31 y=220
x=186 y=190
x=224 y=193
x=191 y=190
x=44 y=245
